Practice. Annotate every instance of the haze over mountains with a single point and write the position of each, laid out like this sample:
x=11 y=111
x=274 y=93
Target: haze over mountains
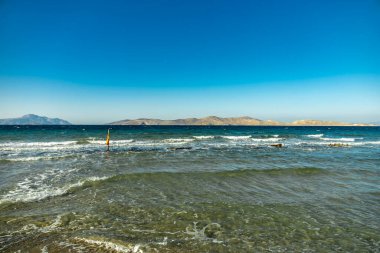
x=32 y=119
x=239 y=121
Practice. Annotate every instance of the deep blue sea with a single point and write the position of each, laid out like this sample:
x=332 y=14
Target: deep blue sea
x=189 y=189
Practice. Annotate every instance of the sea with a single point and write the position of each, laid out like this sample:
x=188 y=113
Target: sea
x=189 y=189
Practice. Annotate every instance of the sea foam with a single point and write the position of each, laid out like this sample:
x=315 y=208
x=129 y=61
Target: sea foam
x=32 y=190
x=204 y=137
x=339 y=139
x=267 y=139
x=236 y=138
x=111 y=245
x=314 y=135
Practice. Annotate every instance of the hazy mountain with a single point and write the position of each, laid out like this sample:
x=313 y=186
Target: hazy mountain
x=240 y=121
x=32 y=119
x=311 y=122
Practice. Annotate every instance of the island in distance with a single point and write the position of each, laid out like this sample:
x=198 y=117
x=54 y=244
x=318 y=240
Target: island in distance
x=234 y=121
x=32 y=119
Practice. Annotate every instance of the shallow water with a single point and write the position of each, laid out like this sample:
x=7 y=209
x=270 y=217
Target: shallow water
x=189 y=189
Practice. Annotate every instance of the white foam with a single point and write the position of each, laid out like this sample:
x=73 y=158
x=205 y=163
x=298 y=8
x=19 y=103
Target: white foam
x=339 y=139
x=59 y=146
x=35 y=158
x=326 y=143
x=164 y=242
x=204 y=137
x=21 y=146
x=44 y=249
x=314 y=135
x=112 y=246
x=26 y=159
x=267 y=139
x=275 y=135
x=176 y=140
x=56 y=223
x=365 y=143
x=37 y=189
x=236 y=138
x=199 y=234
x=36 y=144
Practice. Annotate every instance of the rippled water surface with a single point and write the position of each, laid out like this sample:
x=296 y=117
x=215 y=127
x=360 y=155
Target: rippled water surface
x=189 y=189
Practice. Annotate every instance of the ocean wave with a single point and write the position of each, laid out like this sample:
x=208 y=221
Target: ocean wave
x=339 y=139
x=224 y=173
x=204 y=137
x=314 y=135
x=37 y=158
x=236 y=138
x=365 y=143
x=37 y=144
x=177 y=140
x=266 y=139
x=327 y=143
x=59 y=146
x=30 y=190
x=27 y=159
x=34 y=151
x=297 y=171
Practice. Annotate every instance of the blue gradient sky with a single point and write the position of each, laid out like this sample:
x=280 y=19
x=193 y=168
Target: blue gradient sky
x=102 y=61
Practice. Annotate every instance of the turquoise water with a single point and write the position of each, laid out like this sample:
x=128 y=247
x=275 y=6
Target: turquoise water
x=189 y=189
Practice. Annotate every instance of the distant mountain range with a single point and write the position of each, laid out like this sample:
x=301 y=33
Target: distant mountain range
x=32 y=119
x=237 y=121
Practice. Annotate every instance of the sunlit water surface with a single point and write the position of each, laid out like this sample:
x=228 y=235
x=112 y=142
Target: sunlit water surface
x=189 y=189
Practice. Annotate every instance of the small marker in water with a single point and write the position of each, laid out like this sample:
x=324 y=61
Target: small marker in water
x=108 y=140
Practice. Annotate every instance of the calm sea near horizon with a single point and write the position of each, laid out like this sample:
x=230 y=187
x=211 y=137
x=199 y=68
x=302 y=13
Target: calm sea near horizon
x=189 y=189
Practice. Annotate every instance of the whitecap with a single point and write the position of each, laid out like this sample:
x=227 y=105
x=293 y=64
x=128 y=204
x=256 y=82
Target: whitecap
x=314 y=135
x=26 y=191
x=339 y=139
x=267 y=139
x=362 y=143
x=37 y=144
x=177 y=140
x=235 y=138
x=203 y=137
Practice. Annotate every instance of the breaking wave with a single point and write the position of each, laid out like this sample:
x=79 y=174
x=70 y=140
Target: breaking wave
x=339 y=139
x=266 y=139
x=36 y=151
x=236 y=138
x=204 y=137
x=177 y=140
x=314 y=135
x=32 y=190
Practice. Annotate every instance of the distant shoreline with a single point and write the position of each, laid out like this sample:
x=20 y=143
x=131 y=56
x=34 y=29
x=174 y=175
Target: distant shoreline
x=32 y=119
x=108 y=125
x=233 y=121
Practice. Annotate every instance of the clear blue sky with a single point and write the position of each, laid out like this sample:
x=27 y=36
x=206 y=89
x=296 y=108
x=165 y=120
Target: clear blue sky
x=102 y=61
